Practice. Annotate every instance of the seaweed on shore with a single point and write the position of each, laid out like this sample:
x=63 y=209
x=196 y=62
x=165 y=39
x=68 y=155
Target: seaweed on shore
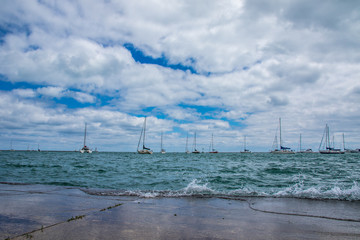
x=108 y=208
x=75 y=218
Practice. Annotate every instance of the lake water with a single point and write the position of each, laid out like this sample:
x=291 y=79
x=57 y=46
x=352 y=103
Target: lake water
x=310 y=175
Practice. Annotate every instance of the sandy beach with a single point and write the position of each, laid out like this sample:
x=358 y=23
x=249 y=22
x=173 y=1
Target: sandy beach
x=50 y=212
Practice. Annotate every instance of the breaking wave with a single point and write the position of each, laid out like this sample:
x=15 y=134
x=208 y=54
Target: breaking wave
x=198 y=189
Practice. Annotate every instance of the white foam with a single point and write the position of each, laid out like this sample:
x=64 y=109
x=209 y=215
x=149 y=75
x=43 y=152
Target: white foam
x=321 y=192
x=195 y=187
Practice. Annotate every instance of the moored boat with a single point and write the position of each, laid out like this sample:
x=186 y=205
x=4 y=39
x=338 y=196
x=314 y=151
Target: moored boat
x=325 y=146
x=212 y=149
x=282 y=149
x=245 y=149
x=161 y=147
x=309 y=150
x=85 y=149
x=194 y=145
x=143 y=150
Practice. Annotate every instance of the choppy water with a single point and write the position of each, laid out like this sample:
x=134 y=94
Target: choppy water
x=178 y=174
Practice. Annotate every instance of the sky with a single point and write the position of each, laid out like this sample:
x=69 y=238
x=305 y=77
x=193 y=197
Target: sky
x=227 y=68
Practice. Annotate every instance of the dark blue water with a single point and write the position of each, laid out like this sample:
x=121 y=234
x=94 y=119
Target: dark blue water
x=178 y=174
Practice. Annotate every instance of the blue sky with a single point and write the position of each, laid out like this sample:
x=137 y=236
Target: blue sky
x=229 y=68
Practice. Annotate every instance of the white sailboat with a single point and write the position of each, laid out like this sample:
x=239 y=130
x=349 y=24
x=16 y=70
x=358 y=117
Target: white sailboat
x=162 y=149
x=245 y=150
x=194 y=145
x=309 y=150
x=325 y=146
x=212 y=149
x=144 y=149
x=85 y=149
x=282 y=150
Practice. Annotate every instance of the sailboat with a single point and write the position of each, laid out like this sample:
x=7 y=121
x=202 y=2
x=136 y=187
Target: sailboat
x=11 y=146
x=309 y=150
x=245 y=150
x=349 y=150
x=85 y=149
x=195 y=150
x=282 y=150
x=325 y=146
x=212 y=150
x=187 y=140
x=144 y=149
x=162 y=149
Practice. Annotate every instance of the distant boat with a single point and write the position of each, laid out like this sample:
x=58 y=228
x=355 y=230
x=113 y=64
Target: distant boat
x=187 y=140
x=212 y=149
x=282 y=150
x=38 y=147
x=144 y=149
x=194 y=145
x=349 y=150
x=325 y=146
x=245 y=150
x=309 y=150
x=85 y=149
x=162 y=149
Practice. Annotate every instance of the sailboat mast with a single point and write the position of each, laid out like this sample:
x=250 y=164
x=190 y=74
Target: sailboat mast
x=187 y=139
x=280 y=133
x=161 y=140
x=195 y=140
x=85 y=135
x=328 y=137
x=300 y=142
x=212 y=142
x=245 y=143
x=144 y=132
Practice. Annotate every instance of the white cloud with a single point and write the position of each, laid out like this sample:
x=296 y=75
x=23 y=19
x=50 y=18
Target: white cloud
x=24 y=93
x=54 y=92
x=83 y=97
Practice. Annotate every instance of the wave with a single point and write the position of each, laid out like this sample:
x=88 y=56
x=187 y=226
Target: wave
x=197 y=189
x=321 y=192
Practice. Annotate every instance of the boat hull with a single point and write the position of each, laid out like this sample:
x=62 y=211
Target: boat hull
x=331 y=152
x=144 y=151
x=282 y=152
x=85 y=151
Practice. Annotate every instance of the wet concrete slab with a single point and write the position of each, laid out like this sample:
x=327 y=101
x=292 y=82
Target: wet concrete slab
x=41 y=212
x=24 y=208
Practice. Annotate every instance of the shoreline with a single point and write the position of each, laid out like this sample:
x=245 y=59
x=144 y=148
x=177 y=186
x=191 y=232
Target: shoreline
x=54 y=212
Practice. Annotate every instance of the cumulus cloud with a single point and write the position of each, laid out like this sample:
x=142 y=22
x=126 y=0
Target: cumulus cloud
x=54 y=92
x=24 y=93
